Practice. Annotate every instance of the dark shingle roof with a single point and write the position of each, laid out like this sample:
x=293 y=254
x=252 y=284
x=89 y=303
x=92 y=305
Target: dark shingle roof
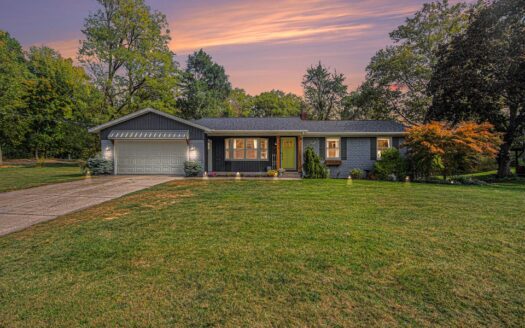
x=296 y=124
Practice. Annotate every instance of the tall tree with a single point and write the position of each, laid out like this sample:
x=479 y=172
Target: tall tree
x=60 y=102
x=399 y=74
x=204 y=87
x=324 y=92
x=126 y=52
x=277 y=103
x=481 y=74
x=367 y=102
x=238 y=104
x=13 y=75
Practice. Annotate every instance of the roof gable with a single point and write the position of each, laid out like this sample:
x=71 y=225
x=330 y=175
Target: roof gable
x=144 y=112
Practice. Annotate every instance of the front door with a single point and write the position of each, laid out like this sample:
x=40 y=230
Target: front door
x=288 y=153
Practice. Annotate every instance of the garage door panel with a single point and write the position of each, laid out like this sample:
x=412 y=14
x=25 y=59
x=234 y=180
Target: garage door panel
x=150 y=157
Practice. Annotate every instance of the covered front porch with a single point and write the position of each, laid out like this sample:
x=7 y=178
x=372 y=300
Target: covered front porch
x=254 y=154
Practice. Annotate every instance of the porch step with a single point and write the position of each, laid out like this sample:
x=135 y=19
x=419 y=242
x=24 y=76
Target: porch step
x=295 y=175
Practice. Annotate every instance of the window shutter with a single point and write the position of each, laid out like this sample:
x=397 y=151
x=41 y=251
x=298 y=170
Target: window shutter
x=395 y=142
x=343 y=149
x=206 y=153
x=373 y=148
x=322 y=148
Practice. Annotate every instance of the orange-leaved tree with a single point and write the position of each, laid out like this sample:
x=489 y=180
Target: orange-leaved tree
x=436 y=146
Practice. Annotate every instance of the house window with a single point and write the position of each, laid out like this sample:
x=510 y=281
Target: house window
x=264 y=149
x=333 y=148
x=245 y=149
x=238 y=148
x=382 y=145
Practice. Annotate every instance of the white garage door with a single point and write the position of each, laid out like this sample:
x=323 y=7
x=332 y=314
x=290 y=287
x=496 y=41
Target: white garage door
x=150 y=157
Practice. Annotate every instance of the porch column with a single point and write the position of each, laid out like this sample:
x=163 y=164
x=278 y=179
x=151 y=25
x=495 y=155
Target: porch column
x=278 y=154
x=299 y=154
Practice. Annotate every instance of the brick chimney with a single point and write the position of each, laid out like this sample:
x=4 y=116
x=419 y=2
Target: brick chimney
x=304 y=115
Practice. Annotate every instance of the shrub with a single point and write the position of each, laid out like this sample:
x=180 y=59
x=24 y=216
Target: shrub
x=313 y=168
x=97 y=166
x=391 y=166
x=192 y=168
x=466 y=180
x=357 y=174
x=391 y=177
x=272 y=173
x=436 y=146
x=455 y=180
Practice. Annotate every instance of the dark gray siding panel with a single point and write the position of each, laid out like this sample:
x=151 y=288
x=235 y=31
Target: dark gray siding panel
x=221 y=165
x=395 y=142
x=343 y=149
x=322 y=147
x=206 y=168
x=152 y=121
x=373 y=148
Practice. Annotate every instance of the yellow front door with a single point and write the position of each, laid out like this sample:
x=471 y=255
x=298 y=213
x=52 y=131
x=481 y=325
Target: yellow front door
x=288 y=153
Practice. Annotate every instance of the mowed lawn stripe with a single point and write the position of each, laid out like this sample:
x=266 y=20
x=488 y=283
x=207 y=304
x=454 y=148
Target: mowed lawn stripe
x=27 y=176
x=283 y=253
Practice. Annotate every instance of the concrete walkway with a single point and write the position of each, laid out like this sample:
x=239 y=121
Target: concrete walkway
x=23 y=208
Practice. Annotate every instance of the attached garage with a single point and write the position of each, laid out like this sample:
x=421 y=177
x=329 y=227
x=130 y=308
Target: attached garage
x=150 y=152
x=149 y=141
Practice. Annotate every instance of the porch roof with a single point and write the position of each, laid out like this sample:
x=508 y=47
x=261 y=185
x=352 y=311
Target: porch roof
x=145 y=134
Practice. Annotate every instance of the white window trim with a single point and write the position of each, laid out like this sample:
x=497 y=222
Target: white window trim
x=338 y=147
x=231 y=146
x=378 y=152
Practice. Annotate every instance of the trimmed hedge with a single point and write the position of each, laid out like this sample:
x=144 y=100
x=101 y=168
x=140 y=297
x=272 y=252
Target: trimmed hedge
x=97 y=166
x=192 y=168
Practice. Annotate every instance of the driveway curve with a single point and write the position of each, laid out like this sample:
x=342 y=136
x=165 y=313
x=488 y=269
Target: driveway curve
x=23 y=208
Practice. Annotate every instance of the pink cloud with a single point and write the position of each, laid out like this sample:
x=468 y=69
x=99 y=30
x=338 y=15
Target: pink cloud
x=251 y=22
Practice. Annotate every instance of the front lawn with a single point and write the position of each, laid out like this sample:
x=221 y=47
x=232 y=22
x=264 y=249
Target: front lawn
x=285 y=253
x=26 y=176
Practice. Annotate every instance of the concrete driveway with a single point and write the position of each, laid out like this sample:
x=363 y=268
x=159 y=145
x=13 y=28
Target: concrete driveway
x=23 y=208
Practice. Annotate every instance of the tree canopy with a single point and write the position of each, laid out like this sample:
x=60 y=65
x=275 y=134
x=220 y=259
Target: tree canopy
x=324 y=92
x=13 y=88
x=437 y=146
x=126 y=52
x=277 y=103
x=481 y=74
x=204 y=87
x=59 y=100
x=398 y=75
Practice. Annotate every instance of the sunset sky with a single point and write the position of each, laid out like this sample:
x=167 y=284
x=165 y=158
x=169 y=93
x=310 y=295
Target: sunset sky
x=263 y=45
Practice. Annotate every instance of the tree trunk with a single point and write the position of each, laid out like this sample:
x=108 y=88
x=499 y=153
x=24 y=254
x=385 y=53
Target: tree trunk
x=1 y=159
x=36 y=154
x=504 y=160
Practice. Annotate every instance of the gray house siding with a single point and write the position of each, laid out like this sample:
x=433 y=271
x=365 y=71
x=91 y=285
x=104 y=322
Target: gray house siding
x=106 y=146
x=198 y=151
x=311 y=142
x=358 y=153
x=357 y=156
x=152 y=121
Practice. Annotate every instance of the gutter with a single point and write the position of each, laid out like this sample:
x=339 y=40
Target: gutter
x=354 y=134
x=216 y=133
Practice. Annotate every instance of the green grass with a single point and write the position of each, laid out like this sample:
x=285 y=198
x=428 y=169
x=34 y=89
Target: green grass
x=27 y=176
x=286 y=253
